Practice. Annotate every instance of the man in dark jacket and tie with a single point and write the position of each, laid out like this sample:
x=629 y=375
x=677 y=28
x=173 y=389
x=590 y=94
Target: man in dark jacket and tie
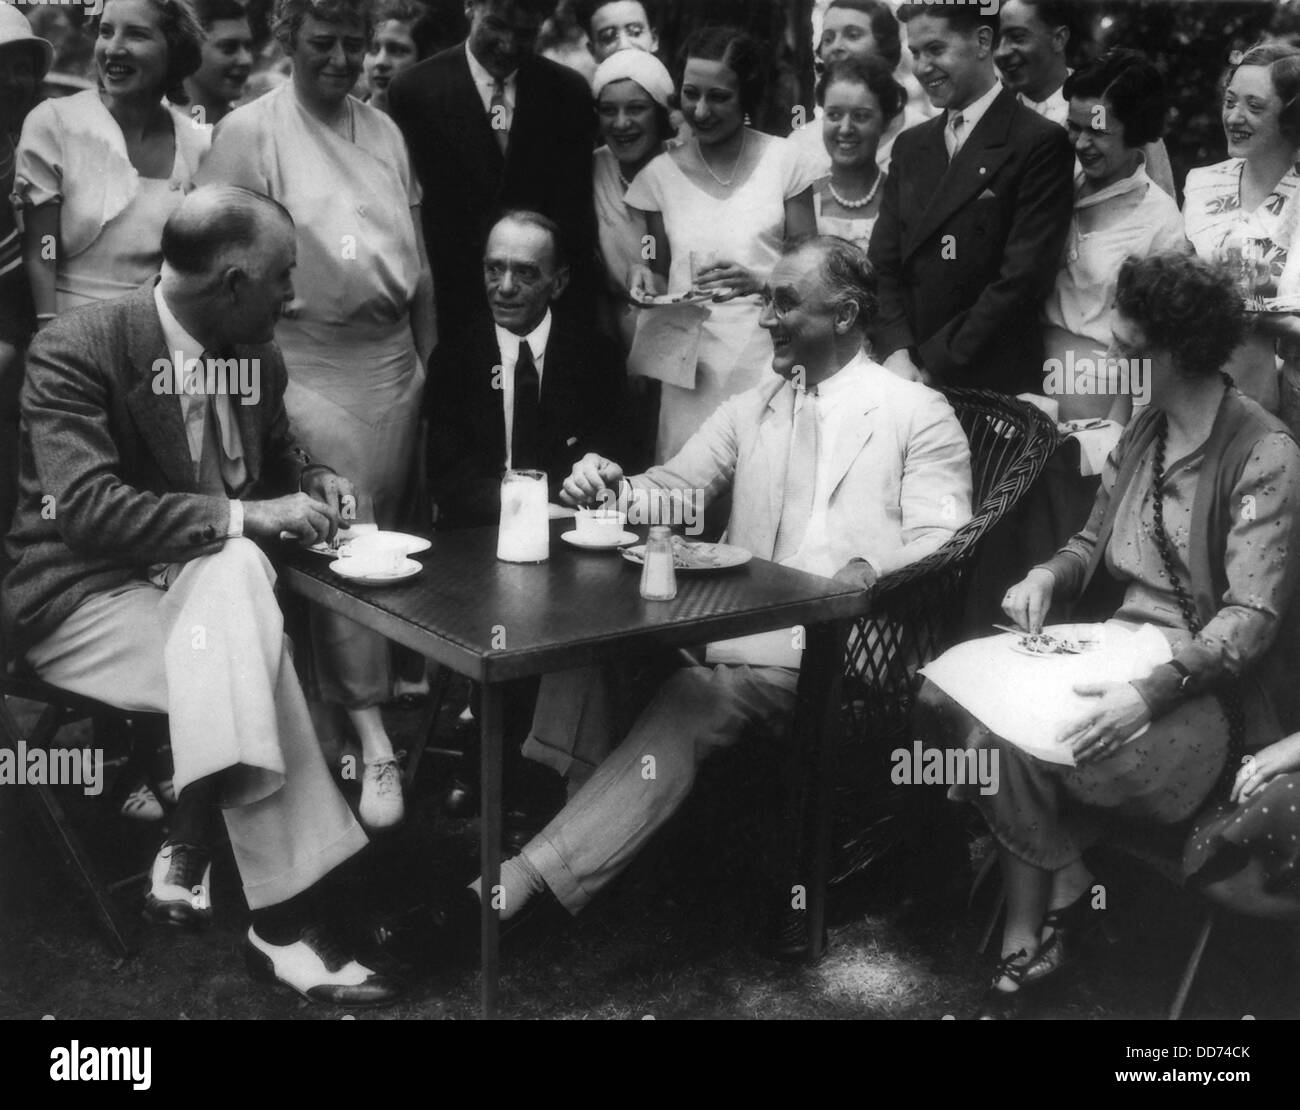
x=492 y=126
x=524 y=388
x=973 y=217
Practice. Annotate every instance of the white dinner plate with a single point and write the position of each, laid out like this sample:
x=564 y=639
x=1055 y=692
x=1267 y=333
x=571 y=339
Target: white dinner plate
x=409 y=568
x=623 y=540
x=720 y=556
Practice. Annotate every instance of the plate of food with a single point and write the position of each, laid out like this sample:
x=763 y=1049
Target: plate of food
x=1061 y=639
x=693 y=296
x=692 y=558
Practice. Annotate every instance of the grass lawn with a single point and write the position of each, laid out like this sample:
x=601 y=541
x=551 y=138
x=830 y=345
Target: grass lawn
x=672 y=939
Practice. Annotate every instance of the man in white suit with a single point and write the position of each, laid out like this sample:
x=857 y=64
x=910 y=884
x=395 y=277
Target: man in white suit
x=838 y=467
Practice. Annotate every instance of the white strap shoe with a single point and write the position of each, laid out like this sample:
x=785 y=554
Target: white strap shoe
x=381 y=795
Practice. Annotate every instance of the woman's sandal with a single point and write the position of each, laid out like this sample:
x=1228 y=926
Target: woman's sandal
x=1073 y=927
x=1000 y=1005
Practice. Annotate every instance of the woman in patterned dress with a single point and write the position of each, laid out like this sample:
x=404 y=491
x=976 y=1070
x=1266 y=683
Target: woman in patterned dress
x=1243 y=212
x=1191 y=533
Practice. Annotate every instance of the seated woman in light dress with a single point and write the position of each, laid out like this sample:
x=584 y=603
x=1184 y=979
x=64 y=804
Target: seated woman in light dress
x=1116 y=106
x=860 y=100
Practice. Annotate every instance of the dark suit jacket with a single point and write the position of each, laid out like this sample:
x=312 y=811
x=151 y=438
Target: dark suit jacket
x=106 y=484
x=966 y=253
x=582 y=402
x=468 y=183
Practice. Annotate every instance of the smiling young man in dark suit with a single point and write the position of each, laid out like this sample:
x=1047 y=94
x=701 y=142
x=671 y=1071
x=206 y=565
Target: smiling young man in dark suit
x=973 y=218
x=492 y=126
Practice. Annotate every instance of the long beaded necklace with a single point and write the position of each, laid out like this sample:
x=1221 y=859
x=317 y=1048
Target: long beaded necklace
x=854 y=204
x=1229 y=692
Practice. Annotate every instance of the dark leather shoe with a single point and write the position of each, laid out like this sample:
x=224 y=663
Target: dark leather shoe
x=318 y=967
x=180 y=887
x=427 y=937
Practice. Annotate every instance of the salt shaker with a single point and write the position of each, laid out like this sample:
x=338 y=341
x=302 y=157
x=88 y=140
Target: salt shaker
x=658 y=579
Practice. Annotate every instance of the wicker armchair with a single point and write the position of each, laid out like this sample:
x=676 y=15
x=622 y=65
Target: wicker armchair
x=916 y=614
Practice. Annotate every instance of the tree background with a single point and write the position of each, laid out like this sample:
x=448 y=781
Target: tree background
x=1189 y=42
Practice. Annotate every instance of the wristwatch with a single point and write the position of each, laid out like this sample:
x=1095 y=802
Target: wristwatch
x=1186 y=680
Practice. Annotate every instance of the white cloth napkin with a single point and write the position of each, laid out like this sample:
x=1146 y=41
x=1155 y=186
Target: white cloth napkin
x=1029 y=700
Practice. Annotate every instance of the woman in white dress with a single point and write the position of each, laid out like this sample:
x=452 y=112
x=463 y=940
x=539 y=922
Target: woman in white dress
x=99 y=172
x=860 y=100
x=866 y=30
x=1243 y=211
x=360 y=326
x=633 y=91
x=719 y=208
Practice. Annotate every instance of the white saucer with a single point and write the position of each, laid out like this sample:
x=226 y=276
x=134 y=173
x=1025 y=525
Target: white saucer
x=344 y=569
x=414 y=544
x=623 y=540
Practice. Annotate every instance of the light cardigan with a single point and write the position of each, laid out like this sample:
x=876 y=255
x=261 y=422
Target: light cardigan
x=1244 y=551
x=73 y=151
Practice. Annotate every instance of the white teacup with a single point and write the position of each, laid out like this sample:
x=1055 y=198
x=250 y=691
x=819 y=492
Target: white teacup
x=380 y=554
x=600 y=525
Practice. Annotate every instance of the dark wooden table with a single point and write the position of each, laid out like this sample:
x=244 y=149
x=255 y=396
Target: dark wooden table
x=493 y=622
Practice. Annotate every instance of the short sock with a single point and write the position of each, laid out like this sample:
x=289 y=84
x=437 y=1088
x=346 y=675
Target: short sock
x=283 y=922
x=520 y=880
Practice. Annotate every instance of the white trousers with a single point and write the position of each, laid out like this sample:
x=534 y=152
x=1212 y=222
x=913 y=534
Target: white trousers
x=211 y=653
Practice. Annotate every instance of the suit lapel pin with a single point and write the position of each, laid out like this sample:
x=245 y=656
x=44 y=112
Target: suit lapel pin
x=983 y=171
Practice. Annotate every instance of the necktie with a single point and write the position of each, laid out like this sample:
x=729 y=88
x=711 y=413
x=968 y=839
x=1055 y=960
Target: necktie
x=499 y=115
x=525 y=453
x=218 y=472
x=800 y=479
x=210 y=477
x=956 y=129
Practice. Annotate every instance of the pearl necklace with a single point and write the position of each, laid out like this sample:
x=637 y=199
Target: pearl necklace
x=744 y=136
x=852 y=204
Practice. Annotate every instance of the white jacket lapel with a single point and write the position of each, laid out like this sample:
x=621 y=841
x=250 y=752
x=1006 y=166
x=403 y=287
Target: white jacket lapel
x=855 y=430
x=774 y=448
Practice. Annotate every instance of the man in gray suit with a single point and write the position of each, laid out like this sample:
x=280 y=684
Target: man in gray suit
x=155 y=450
x=837 y=467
